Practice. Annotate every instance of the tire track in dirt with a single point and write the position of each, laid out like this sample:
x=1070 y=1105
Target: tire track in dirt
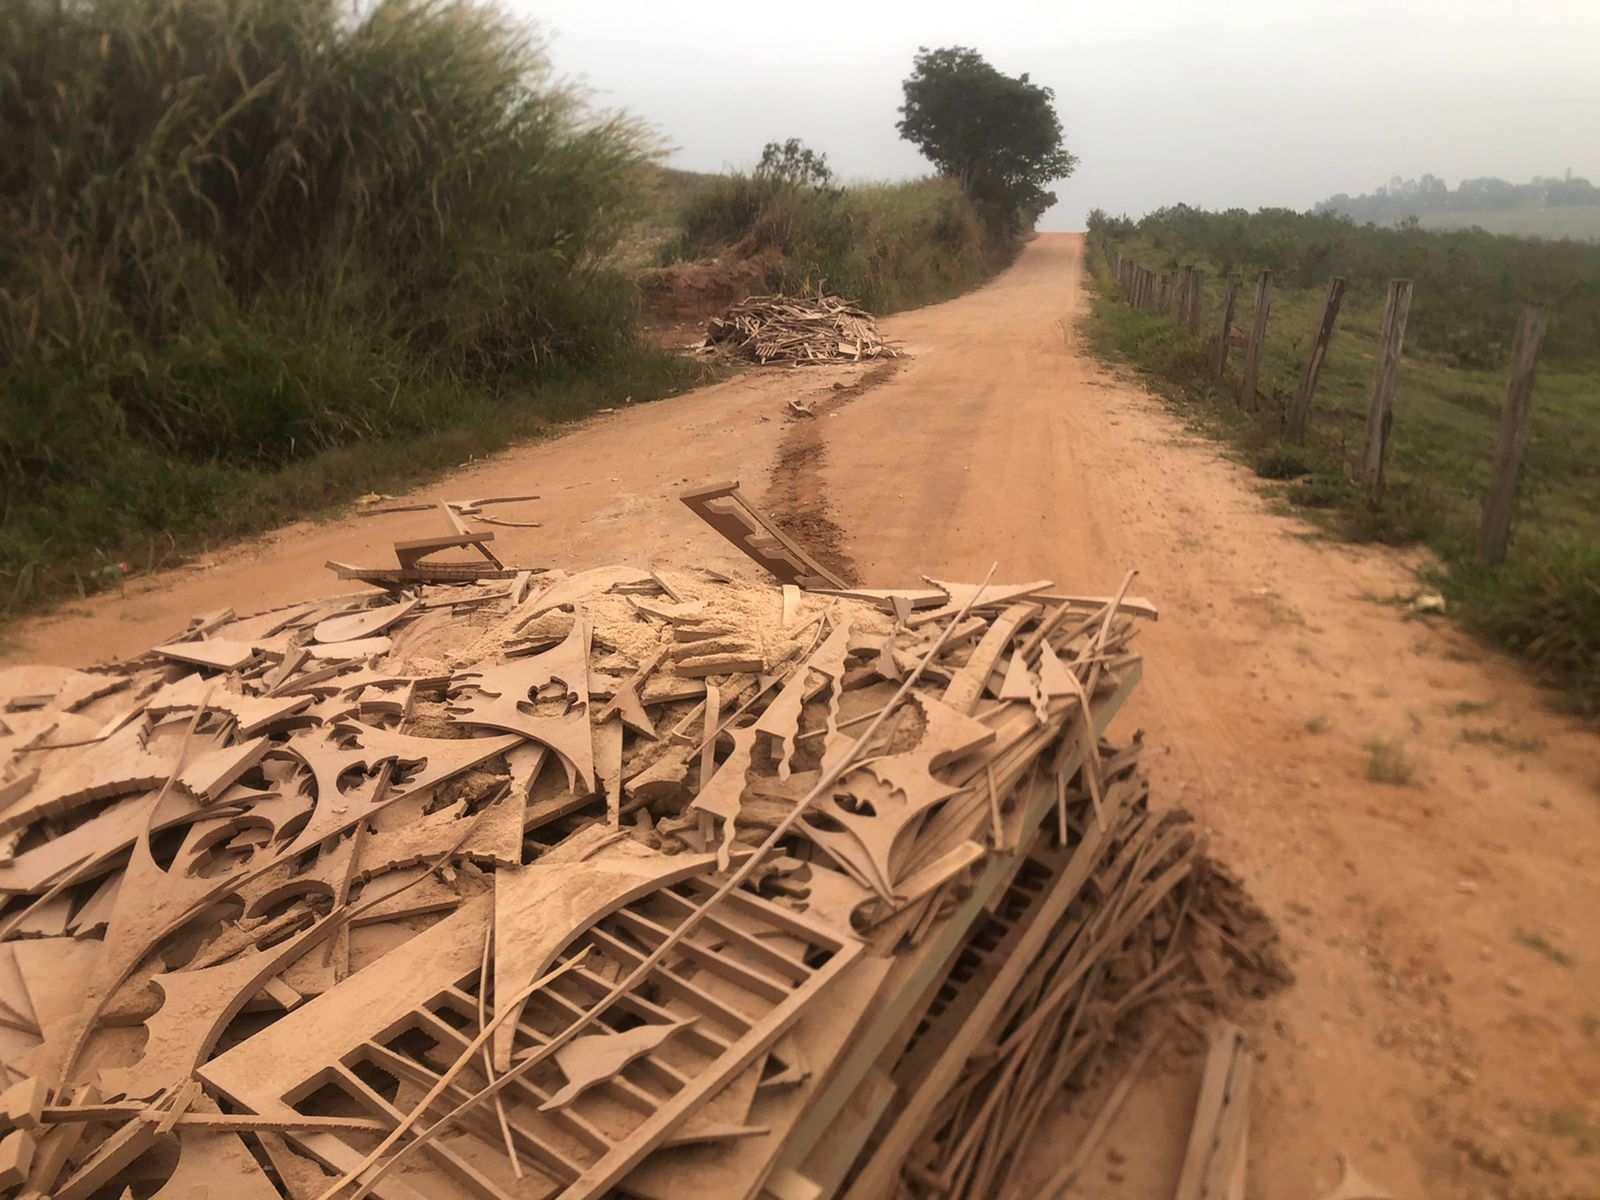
x=797 y=497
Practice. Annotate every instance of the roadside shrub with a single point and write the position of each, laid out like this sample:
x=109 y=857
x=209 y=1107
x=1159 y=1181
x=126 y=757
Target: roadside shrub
x=1320 y=490
x=889 y=245
x=1544 y=607
x=1284 y=462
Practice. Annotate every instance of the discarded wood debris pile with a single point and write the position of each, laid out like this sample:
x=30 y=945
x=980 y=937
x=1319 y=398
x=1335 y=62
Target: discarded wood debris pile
x=797 y=330
x=628 y=882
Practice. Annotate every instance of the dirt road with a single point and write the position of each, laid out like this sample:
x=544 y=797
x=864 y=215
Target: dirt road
x=1444 y=1031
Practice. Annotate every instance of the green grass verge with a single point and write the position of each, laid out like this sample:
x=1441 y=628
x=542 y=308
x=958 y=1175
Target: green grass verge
x=147 y=511
x=1543 y=603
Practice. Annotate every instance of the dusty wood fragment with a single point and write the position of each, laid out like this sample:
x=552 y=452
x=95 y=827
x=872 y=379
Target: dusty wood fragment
x=220 y=654
x=797 y=330
x=589 y=1060
x=16 y=1157
x=1215 y=1153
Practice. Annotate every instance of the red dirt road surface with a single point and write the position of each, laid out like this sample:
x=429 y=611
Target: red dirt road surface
x=1444 y=1029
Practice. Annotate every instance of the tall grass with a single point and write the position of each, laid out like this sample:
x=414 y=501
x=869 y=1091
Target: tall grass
x=888 y=245
x=238 y=233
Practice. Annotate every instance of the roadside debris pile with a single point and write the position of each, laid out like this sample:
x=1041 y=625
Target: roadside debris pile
x=797 y=330
x=631 y=881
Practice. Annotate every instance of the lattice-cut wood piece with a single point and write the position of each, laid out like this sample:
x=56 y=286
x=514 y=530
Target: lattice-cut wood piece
x=538 y=909
x=409 y=1015
x=735 y=518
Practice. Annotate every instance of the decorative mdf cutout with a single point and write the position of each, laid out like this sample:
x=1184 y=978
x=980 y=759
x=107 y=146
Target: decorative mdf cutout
x=123 y=763
x=251 y=714
x=420 y=764
x=722 y=797
x=196 y=1006
x=864 y=820
x=781 y=719
x=507 y=697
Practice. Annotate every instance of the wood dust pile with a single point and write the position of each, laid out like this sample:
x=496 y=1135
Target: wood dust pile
x=798 y=330
x=629 y=882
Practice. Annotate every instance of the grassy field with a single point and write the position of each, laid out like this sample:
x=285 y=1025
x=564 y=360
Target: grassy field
x=1544 y=602
x=1579 y=222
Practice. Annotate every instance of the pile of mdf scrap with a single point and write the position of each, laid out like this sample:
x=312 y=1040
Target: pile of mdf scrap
x=633 y=881
x=797 y=330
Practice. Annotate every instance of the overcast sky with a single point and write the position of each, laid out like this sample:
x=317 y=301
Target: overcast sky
x=1233 y=102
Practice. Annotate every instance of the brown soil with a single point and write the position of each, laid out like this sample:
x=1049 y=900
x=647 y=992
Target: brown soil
x=797 y=497
x=1444 y=1027
x=695 y=291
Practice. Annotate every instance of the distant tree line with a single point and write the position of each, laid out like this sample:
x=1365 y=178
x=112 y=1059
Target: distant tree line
x=1405 y=198
x=1470 y=284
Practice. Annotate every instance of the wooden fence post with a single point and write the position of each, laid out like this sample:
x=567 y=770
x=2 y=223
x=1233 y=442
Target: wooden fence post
x=1300 y=410
x=1380 y=412
x=1258 y=337
x=1507 y=462
x=1161 y=291
x=1183 y=294
x=1229 y=299
x=1197 y=291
